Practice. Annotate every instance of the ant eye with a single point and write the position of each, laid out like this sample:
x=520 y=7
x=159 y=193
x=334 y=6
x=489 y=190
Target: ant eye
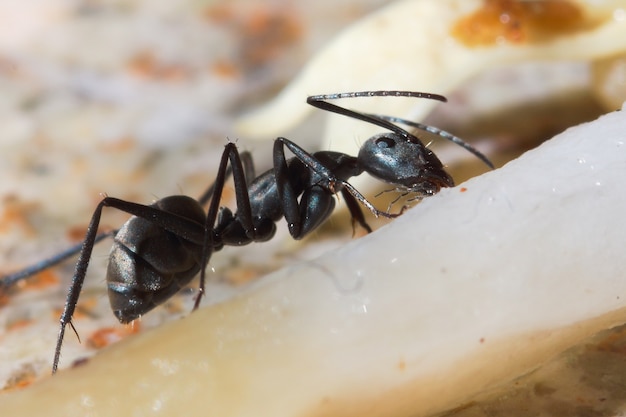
x=385 y=142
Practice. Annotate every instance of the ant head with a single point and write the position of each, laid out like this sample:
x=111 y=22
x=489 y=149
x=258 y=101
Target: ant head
x=405 y=163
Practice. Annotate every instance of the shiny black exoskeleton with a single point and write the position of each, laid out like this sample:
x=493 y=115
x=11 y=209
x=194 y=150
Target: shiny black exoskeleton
x=166 y=244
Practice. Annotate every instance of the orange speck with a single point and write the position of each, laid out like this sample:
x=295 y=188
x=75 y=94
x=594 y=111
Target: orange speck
x=76 y=233
x=462 y=189
x=19 y=324
x=401 y=365
x=228 y=196
x=15 y=214
x=43 y=279
x=225 y=69
x=265 y=33
x=122 y=145
x=219 y=13
x=242 y=275
x=107 y=335
x=23 y=378
x=146 y=65
x=142 y=64
x=4 y=297
x=615 y=342
x=517 y=22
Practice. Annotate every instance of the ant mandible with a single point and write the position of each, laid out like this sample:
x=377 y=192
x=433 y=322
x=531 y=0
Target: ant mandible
x=164 y=245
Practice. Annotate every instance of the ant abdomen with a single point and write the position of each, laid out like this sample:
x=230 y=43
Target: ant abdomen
x=148 y=264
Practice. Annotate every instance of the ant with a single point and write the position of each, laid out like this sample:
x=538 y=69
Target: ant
x=164 y=245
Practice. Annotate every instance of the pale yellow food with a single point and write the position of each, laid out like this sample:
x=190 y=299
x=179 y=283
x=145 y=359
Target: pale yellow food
x=609 y=79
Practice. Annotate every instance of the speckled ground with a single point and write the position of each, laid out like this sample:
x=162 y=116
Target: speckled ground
x=133 y=99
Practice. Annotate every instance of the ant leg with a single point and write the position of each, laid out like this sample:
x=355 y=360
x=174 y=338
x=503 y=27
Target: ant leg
x=310 y=161
x=315 y=205
x=288 y=195
x=12 y=279
x=77 y=283
x=355 y=212
x=248 y=167
x=289 y=198
x=360 y=198
x=240 y=175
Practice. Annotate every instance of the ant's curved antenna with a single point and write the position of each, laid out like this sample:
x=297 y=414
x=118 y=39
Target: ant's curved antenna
x=387 y=122
x=319 y=102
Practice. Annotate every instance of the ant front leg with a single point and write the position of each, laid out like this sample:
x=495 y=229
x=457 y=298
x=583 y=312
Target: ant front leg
x=317 y=202
x=356 y=195
x=355 y=212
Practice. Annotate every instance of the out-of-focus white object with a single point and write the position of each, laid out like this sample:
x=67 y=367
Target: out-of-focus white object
x=609 y=79
x=424 y=45
x=471 y=288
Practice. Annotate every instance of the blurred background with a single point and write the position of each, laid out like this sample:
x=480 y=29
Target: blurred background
x=135 y=99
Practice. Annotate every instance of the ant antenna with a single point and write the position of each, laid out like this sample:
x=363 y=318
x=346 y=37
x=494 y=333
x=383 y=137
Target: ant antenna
x=319 y=102
x=387 y=122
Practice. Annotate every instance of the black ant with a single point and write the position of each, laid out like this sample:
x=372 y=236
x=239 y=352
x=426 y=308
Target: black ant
x=164 y=245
